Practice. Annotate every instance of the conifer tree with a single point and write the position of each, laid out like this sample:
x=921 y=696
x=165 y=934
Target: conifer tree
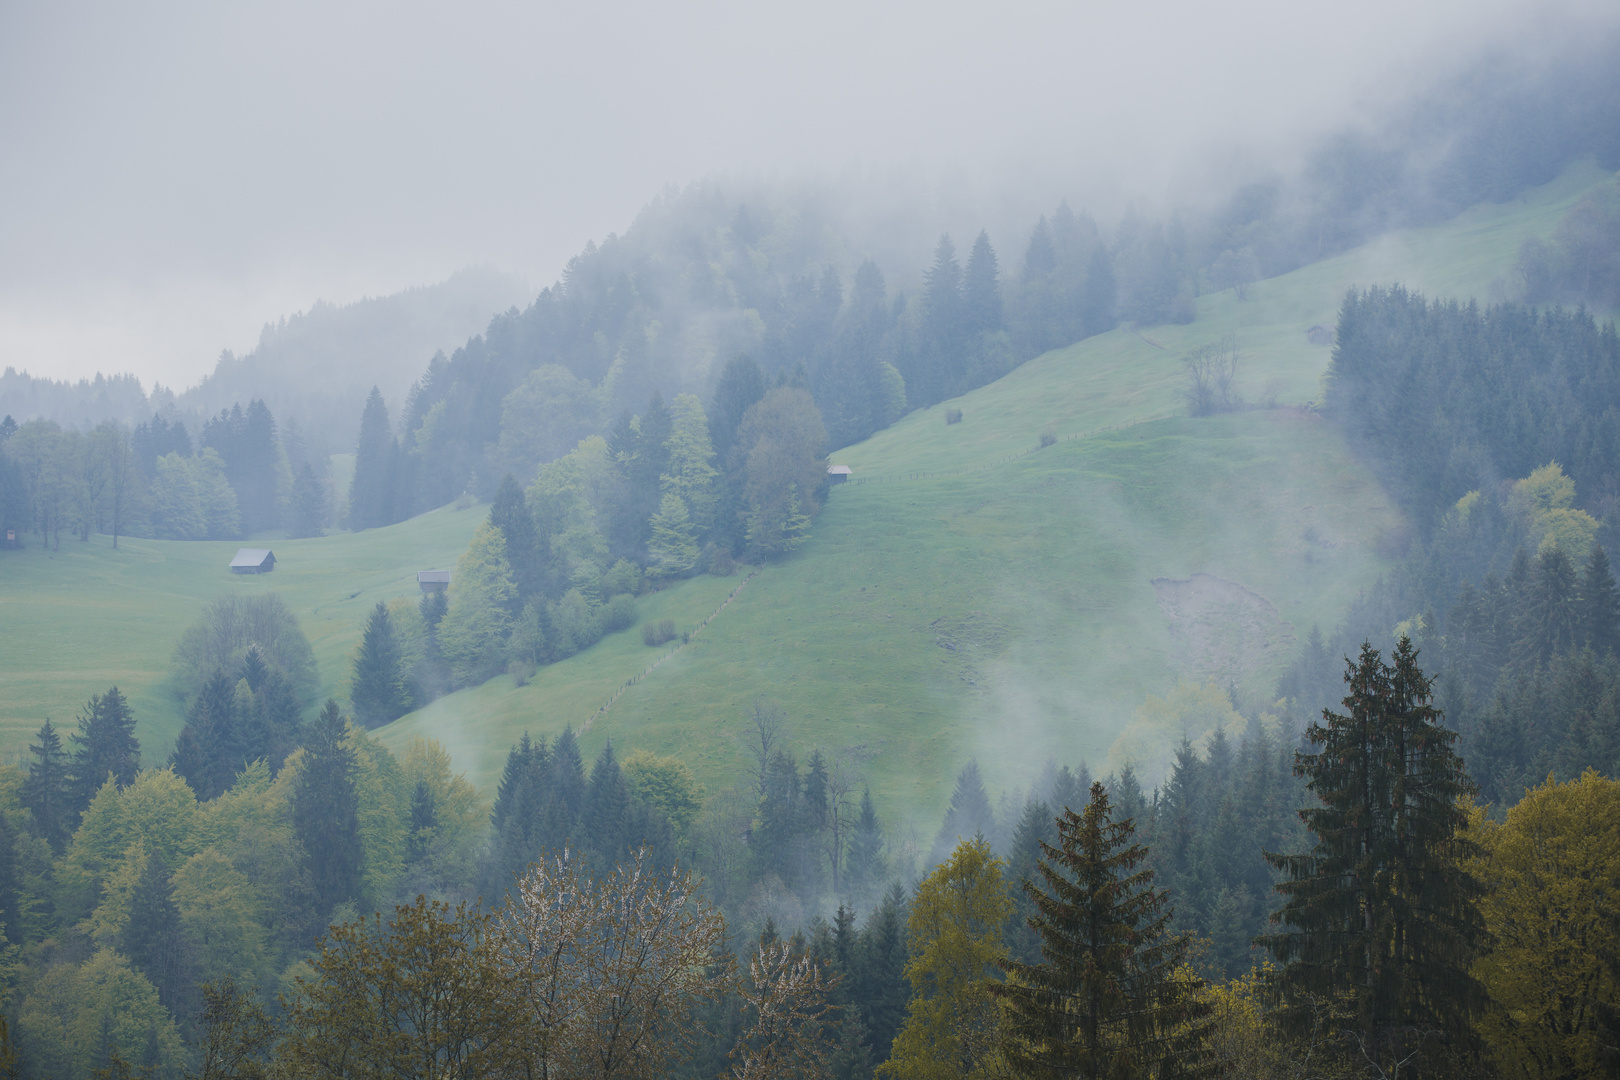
x=510 y=514
x=326 y=809
x=1383 y=908
x=939 y=372
x=981 y=289
x=606 y=812
x=878 y=976
x=968 y=814
x=48 y=792
x=372 y=495
x=864 y=866
x=1599 y=604
x=1111 y=996
x=309 y=505
x=152 y=938
x=209 y=751
x=105 y=744
x=380 y=693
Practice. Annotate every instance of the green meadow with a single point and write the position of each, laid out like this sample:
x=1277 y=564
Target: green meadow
x=967 y=595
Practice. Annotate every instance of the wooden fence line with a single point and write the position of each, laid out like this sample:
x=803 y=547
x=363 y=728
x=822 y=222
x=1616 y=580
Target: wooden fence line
x=656 y=664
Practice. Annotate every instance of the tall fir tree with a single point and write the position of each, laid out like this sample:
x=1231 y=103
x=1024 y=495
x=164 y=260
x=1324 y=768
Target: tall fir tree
x=939 y=369
x=48 y=793
x=864 y=867
x=380 y=692
x=509 y=512
x=308 y=510
x=968 y=815
x=1109 y=997
x=209 y=751
x=104 y=745
x=326 y=810
x=372 y=495
x=1383 y=910
x=981 y=289
x=1599 y=604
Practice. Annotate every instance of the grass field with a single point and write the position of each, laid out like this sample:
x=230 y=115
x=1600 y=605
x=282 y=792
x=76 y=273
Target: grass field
x=967 y=596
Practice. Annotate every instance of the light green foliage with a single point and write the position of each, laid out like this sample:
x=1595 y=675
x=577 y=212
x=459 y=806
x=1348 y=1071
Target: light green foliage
x=157 y=811
x=783 y=436
x=385 y=806
x=460 y=815
x=672 y=551
x=954 y=935
x=545 y=415
x=410 y=632
x=623 y=577
x=1194 y=711
x=571 y=494
x=177 y=512
x=1544 y=504
x=665 y=783
x=893 y=392
x=473 y=632
x=215 y=495
x=107 y=922
x=229 y=627
x=691 y=462
x=73 y=1011
x=221 y=918
x=574 y=624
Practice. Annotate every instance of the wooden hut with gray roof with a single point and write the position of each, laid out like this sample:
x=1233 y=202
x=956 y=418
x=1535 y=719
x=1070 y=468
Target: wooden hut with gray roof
x=253 y=561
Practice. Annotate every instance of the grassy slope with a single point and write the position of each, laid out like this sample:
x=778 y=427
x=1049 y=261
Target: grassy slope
x=1038 y=570
x=1036 y=566
x=74 y=621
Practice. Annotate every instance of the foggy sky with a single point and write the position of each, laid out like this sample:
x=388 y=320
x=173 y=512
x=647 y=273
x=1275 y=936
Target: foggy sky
x=173 y=175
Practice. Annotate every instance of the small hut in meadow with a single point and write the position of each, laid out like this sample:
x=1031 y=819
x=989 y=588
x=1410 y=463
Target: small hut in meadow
x=837 y=474
x=253 y=561
x=432 y=581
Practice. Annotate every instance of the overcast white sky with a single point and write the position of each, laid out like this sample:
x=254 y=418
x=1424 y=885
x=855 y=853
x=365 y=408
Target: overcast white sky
x=172 y=175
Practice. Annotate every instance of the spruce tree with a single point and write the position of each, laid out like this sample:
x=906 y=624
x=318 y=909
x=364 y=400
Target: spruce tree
x=309 y=503
x=606 y=818
x=326 y=809
x=380 y=693
x=1383 y=909
x=48 y=793
x=864 y=865
x=968 y=815
x=372 y=496
x=1600 y=604
x=510 y=514
x=939 y=373
x=210 y=750
x=1110 y=997
x=152 y=938
x=105 y=745
x=981 y=289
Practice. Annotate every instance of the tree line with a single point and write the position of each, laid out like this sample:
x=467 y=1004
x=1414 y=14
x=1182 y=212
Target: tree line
x=239 y=478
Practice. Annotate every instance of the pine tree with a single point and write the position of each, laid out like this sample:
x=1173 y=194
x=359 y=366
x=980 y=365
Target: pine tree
x=380 y=693
x=510 y=514
x=105 y=745
x=326 y=808
x=606 y=813
x=1111 y=996
x=48 y=793
x=1382 y=909
x=940 y=369
x=879 y=988
x=372 y=495
x=253 y=470
x=1599 y=604
x=1036 y=831
x=210 y=751
x=968 y=815
x=981 y=289
x=152 y=938
x=309 y=506
x=864 y=866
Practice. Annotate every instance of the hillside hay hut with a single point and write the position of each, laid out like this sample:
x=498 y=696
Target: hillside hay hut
x=837 y=474
x=432 y=581
x=253 y=561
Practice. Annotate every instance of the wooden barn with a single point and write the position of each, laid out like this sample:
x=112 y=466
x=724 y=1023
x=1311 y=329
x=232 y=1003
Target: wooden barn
x=837 y=474
x=253 y=561
x=430 y=581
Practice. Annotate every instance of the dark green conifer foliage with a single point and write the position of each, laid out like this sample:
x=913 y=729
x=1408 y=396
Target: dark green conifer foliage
x=380 y=692
x=864 y=866
x=878 y=972
x=968 y=815
x=1036 y=830
x=104 y=745
x=152 y=938
x=424 y=818
x=510 y=514
x=48 y=792
x=939 y=368
x=1106 y=999
x=309 y=503
x=1599 y=604
x=210 y=750
x=1382 y=909
x=981 y=289
x=605 y=823
x=10 y=915
x=372 y=495
x=1551 y=609
x=326 y=808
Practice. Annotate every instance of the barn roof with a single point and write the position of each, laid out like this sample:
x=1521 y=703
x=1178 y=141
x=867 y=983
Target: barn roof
x=433 y=577
x=838 y=470
x=251 y=556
